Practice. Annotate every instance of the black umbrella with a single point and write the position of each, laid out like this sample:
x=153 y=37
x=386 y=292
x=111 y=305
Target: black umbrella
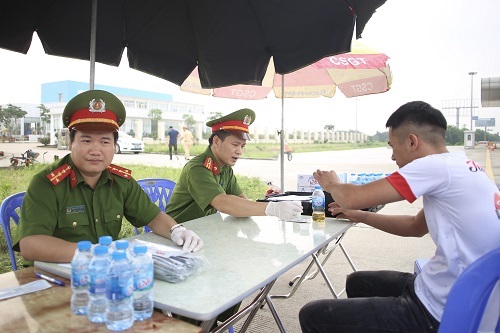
x=231 y=41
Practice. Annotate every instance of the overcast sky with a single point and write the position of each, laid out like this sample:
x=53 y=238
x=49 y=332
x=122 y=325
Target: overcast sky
x=433 y=45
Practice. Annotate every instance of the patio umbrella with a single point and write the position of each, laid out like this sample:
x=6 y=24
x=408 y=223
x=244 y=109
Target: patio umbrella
x=360 y=72
x=231 y=41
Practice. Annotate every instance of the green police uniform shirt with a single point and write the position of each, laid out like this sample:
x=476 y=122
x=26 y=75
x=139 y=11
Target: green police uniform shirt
x=200 y=182
x=59 y=203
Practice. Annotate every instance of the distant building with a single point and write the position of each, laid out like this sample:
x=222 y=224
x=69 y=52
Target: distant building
x=138 y=103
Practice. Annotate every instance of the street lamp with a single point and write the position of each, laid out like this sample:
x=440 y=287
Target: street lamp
x=471 y=91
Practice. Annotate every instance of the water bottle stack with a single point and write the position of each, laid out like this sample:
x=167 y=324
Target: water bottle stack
x=114 y=289
x=364 y=178
x=80 y=278
x=119 y=293
x=142 y=267
x=318 y=204
x=98 y=268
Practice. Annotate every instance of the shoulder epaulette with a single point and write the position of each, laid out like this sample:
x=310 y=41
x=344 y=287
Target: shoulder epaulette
x=56 y=176
x=211 y=165
x=119 y=171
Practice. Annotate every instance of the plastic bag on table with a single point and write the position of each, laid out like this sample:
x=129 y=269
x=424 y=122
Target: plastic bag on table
x=173 y=264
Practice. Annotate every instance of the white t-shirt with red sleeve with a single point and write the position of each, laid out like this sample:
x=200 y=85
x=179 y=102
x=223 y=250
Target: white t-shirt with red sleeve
x=462 y=210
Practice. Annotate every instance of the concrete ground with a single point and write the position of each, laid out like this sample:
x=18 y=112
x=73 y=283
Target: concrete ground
x=370 y=249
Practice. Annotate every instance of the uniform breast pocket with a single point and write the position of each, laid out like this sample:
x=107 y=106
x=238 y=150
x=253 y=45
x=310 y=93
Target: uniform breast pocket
x=113 y=219
x=73 y=226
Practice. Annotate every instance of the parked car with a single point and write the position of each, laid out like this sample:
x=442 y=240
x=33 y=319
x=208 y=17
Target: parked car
x=127 y=143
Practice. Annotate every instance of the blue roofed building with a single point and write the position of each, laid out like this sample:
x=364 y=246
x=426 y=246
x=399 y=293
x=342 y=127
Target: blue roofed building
x=138 y=103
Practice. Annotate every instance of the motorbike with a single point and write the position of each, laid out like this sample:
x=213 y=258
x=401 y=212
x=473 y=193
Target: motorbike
x=26 y=159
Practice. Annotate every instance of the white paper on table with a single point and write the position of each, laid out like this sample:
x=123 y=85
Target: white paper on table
x=291 y=198
x=24 y=289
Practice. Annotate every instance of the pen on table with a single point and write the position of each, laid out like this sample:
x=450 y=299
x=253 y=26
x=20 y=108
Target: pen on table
x=48 y=278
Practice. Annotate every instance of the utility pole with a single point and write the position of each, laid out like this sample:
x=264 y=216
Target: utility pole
x=471 y=93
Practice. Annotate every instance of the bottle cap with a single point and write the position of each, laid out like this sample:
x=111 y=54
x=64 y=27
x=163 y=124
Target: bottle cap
x=317 y=187
x=119 y=255
x=105 y=240
x=84 y=245
x=100 y=249
x=121 y=244
x=138 y=249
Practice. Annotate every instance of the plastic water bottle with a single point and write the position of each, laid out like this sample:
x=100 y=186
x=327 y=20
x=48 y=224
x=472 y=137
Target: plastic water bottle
x=119 y=292
x=122 y=245
x=318 y=204
x=80 y=278
x=98 y=268
x=142 y=268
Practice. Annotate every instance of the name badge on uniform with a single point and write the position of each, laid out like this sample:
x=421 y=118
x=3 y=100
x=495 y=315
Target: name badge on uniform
x=75 y=209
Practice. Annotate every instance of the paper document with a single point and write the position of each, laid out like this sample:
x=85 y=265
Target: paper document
x=291 y=198
x=24 y=289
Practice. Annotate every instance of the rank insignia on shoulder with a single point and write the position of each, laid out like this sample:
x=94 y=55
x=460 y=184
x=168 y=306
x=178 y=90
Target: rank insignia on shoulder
x=56 y=176
x=119 y=171
x=211 y=165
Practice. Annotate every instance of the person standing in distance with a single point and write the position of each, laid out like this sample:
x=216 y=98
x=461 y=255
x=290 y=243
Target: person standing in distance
x=187 y=141
x=463 y=223
x=83 y=196
x=172 y=141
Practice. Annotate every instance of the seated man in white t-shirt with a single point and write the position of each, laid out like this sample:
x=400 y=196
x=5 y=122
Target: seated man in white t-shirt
x=458 y=212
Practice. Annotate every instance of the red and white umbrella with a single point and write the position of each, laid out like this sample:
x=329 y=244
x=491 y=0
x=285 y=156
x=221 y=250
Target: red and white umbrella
x=362 y=71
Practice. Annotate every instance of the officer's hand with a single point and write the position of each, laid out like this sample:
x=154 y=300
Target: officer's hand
x=190 y=241
x=285 y=210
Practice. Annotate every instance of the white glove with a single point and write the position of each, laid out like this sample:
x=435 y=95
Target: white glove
x=190 y=241
x=285 y=210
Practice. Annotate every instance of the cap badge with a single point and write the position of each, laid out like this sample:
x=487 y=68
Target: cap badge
x=97 y=106
x=247 y=120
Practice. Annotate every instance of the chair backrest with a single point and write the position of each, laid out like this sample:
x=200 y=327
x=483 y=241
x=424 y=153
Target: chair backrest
x=159 y=191
x=9 y=211
x=469 y=295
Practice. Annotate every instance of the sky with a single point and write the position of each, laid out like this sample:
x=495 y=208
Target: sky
x=432 y=45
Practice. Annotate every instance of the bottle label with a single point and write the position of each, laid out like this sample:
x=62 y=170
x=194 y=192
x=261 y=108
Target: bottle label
x=97 y=284
x=80 y=278
x=119 y=288
x=143 y=278
x=318 y=202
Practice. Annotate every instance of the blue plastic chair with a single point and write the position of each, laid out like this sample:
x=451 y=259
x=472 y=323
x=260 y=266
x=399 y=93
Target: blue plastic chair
x=9 y=211
x=159 y=191
x=469 y=295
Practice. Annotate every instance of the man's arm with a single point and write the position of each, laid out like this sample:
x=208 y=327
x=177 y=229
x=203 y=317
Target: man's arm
x=165 y=226
x=352 y=196
x=46 y=248
x=400 y=225
x=162 y=224
x=238 y=205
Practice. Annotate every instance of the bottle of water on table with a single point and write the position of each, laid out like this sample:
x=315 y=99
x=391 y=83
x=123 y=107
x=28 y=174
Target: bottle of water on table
x=142 y=268
x=318 y=204
x=119 y=293
x=98 y=268
x=80 y=278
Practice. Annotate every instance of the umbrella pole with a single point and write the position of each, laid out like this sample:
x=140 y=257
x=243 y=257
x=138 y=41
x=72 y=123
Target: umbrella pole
x=282 y=138
x=93 y=29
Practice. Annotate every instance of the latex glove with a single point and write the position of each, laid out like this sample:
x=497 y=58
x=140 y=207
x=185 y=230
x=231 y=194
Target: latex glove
x=285 y=210
x=190 y=241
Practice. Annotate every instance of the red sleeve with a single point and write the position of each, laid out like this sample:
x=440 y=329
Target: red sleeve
x=401 y=185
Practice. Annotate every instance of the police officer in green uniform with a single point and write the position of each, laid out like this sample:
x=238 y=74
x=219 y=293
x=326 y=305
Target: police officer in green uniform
x=83 y=196
x=207 y=183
